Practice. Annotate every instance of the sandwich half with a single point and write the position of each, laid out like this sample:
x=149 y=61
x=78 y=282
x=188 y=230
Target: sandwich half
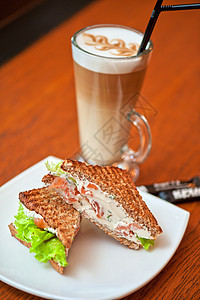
x=47 y=225
x=107 y=197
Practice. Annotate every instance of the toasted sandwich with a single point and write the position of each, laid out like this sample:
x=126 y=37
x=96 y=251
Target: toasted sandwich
x=47 y=225
x=107 y=197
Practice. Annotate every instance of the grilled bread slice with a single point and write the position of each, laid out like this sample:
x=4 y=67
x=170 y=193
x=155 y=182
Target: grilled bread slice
x=108 y=197
x=51 y=212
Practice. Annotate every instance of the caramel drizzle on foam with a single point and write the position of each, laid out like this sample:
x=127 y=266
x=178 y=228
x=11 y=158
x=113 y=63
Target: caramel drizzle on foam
x=101 y=43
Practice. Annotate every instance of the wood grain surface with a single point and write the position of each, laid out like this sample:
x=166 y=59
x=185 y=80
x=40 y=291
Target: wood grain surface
x=38 y=118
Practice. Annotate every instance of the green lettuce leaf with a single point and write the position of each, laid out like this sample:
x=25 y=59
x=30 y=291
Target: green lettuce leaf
x=145 y=242
x=44 y=244
x=55 y=168
x=71 y=179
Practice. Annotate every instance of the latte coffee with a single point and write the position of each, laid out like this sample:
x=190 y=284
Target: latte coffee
x=108 y=79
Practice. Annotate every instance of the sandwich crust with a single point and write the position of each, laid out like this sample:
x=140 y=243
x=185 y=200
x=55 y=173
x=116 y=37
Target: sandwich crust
x=118 y=183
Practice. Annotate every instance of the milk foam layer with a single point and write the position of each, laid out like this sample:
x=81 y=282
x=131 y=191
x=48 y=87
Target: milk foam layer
x=108 y=61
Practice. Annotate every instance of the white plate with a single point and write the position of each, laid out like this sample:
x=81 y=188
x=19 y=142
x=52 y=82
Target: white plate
x=99 y=267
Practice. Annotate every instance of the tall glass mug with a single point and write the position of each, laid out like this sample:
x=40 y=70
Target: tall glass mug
x=108 y=78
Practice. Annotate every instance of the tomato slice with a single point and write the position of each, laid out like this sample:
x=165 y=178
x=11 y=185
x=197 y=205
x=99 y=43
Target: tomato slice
x=98 y=210
x=70 y=191
x=40 y=223
x=127 y=229
x=86 y=192
x=59 y=183
x=76 y=192
x=92 y=186
x=70 y=200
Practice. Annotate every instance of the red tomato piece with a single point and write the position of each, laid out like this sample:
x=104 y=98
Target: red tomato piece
x=40 y=223
x=59 y=183
x=86 y=192
x=98 y=210
x=92 y=186
x=127 y=229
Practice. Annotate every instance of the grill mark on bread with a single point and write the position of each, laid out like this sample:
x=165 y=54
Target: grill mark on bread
x=55 y=211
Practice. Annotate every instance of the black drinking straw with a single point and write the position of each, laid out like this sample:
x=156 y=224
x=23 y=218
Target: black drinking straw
x=154 y=16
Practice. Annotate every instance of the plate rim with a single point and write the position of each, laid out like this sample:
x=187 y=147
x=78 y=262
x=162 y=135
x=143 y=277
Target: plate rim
x=126 y=291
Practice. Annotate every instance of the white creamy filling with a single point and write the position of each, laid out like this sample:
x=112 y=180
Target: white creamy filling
x=32 y=215
x=114 y=215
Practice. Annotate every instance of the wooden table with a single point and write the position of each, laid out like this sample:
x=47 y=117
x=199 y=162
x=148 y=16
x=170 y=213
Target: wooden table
x=38 y=118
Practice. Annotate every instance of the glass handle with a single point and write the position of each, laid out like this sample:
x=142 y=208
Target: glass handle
x=142 y=125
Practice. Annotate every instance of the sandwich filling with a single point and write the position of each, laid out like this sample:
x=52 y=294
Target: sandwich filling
x=101 y=207
x=44 y=242
x=38 y=220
